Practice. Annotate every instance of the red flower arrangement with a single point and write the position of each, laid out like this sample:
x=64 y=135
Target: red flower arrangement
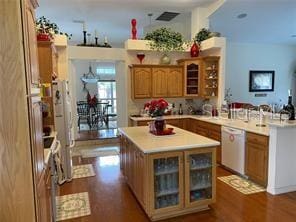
x=92 y=101
x=156 y=107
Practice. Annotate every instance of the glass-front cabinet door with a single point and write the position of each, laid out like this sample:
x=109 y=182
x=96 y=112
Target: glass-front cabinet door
x=200 y=178
x=167 y=183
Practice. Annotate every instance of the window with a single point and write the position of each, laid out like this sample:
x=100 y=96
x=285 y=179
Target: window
x=106 y=70
x=107 y=93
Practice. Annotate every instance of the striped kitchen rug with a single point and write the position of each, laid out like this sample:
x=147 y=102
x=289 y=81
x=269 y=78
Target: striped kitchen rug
x=81 y=171
x=242 y=185
x=72 y=206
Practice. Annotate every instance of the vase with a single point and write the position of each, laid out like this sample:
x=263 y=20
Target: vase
x=134 y=28
x=165 y=59
x=194 y=51
x=159 y=124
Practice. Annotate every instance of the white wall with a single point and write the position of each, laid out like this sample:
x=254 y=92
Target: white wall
x=81 y=67
x=242 y=57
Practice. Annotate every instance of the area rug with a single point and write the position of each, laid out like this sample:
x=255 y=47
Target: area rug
x=72 y=206
x=81 y=171
x=242 y=185
x=98 y=152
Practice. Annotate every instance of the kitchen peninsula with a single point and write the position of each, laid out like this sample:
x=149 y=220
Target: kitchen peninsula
x=169 y=175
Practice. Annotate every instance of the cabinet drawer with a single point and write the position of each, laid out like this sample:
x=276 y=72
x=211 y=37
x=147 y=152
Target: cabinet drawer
x=201 y=131
x=142 y=123
x=257 y=139
x=214 y=127
x=173 y=122
x=215 y=135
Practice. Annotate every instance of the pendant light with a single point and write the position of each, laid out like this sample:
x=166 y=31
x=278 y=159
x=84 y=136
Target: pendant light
x=90 y=77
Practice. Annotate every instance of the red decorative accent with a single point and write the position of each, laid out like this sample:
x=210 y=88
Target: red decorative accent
x=134 y=28
x=43 y=37
x=141 y=56
x=194 y=51
x=231 y=137
x=163 y=133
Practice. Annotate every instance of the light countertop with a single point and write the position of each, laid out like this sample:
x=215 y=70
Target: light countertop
x=47 y=152
x=235 y=123
x=149 y=143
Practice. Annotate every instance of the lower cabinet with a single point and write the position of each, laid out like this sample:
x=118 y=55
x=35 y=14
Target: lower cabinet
x=257 y=158
x=166 y=182
x=44 y=198
x=210 y=130
x=200 y=177
x=169 y=184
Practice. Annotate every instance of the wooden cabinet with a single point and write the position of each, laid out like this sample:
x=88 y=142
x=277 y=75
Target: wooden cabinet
x=43 y=199
x=159 y=82
x=210 y=130
x=201 y=76
x=47 y=55
x=156 y=81
x=192 y=78
x=174 y=122
x=133 y=168
x=141 y=82
x=175 y=82
x=37 y=133
x=210 y=77
x=164 y=184
x=200 y=177
x=30 y=43
x=257 y=158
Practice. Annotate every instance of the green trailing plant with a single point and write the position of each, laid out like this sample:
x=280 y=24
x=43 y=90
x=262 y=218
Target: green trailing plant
x=165 y=40
x=44 y=25
x=202 y=35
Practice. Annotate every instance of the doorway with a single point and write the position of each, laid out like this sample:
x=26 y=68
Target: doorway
x=96 y=100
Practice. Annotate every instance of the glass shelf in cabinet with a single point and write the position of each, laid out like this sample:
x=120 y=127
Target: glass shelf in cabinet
x=200 y=186
x=164 y=172
x=201 y=167
x=167 y=192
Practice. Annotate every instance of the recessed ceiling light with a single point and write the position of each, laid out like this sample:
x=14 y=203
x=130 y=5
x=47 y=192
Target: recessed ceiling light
x=293 y=36
x=242 y=15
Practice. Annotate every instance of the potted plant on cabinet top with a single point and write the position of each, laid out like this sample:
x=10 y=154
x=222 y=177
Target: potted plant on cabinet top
x=165 y=40
x=47 y=29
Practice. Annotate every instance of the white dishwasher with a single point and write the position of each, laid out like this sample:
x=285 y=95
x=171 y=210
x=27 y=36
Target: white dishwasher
x=233 y=149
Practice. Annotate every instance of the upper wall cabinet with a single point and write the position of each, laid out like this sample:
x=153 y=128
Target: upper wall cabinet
x=141 y=82
x=156 y=81
x=201 y=76
x=192 y=78
x=33 y=78
x=210 y=77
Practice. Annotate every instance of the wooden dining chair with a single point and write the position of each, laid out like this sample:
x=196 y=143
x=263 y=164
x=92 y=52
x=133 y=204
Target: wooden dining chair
x=83 y=113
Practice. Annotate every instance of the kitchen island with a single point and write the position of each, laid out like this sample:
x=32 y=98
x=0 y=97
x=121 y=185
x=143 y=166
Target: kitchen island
x=169 y=175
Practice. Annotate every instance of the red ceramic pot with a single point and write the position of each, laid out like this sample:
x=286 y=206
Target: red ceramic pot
x=194 y=51
x=43 y=37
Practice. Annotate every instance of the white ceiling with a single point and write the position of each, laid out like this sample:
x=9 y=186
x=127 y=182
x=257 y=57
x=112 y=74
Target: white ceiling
x=268 y=21
x=111 y=17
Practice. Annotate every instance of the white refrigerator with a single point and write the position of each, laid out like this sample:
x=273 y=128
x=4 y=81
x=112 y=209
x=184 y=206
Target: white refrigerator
x=64 y=125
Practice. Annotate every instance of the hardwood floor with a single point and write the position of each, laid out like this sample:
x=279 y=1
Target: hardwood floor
x=96 y=134
x=112 y=201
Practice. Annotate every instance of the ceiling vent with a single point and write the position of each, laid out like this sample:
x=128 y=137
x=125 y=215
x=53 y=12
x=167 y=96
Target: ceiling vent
x=167 y=16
